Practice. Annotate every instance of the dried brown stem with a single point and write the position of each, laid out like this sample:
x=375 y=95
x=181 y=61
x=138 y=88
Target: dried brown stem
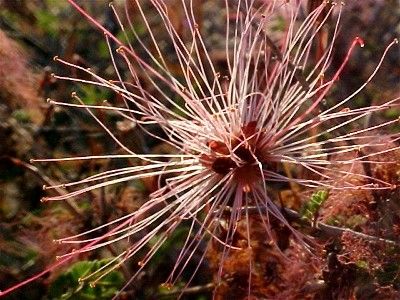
x=188 y=291
x=328 y=230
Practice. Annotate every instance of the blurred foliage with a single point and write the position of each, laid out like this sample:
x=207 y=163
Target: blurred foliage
x=32 y=128
x=69 y=285
x=310 y=209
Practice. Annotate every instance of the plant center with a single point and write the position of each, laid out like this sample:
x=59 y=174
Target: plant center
x=243 y=157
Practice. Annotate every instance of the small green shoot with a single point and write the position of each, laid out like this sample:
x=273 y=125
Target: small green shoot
x=310 y=209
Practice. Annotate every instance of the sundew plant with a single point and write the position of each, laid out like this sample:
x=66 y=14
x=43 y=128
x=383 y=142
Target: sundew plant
x=265 y=117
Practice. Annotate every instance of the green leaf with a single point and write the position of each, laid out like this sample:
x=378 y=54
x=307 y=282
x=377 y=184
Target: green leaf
x=21 y=115
x=311 y=207
x=92 y=95
x=70 y=286
x=47 y=21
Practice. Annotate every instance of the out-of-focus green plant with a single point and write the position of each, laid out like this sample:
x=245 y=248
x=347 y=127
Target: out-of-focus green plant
x=92 y=95
x=69 y=286
x=311 y=207
x=47 y=21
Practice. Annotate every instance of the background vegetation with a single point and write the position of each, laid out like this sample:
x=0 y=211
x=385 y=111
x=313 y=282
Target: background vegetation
x=31 y=33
